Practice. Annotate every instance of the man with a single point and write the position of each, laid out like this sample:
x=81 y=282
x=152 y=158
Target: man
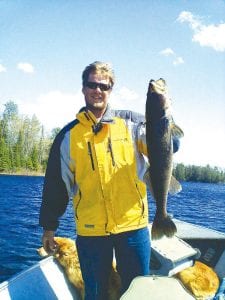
x=98 y=160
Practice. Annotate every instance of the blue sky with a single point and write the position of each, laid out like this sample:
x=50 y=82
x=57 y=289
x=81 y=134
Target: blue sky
x=45 y=45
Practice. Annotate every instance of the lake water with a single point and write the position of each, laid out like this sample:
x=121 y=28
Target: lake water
x=20 y=234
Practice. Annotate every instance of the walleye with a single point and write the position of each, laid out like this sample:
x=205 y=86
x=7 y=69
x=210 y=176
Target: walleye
x=159 y=130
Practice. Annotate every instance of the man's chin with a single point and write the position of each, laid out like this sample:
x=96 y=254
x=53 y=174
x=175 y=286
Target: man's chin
x=99 y=106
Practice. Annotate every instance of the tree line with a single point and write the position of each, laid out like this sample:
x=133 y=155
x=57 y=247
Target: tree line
x=199 y=173
x=24 y=145
x=24 y=148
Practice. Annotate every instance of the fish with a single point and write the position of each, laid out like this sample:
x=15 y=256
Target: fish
x=160 y=128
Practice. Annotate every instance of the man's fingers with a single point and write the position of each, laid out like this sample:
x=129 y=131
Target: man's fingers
x=49 y=244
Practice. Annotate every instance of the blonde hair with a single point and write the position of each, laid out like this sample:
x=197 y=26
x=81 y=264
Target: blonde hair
x=99 y=67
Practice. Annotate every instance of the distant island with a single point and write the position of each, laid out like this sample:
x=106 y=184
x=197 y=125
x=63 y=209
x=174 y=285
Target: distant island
x=24 y=149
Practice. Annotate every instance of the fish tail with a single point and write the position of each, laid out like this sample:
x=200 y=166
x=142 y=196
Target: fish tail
x=163 y=226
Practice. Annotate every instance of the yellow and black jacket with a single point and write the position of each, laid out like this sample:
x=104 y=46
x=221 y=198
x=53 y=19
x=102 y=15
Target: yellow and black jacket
x=101 y=167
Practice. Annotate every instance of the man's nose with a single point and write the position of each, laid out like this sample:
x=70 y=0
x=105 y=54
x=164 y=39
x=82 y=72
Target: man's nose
x=98 y=89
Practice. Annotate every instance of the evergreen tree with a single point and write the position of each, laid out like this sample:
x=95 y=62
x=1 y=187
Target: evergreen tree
x=34 y=158
x=54 y=132
x=4 y=156
x=179 y=172
x=199 y=173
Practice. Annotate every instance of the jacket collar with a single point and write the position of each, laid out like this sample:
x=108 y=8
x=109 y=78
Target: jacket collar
x=106 y=118
x=87 y=117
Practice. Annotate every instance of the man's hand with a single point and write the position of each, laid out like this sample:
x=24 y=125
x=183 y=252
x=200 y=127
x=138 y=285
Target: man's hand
x=48 y=242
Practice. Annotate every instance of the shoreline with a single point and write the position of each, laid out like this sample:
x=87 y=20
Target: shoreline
x=23 y=173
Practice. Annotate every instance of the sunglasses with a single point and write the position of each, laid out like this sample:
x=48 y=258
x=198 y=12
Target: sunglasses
x=94 y=85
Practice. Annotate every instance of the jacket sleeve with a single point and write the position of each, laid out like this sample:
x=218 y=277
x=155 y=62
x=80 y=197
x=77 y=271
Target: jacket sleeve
x=55 y=192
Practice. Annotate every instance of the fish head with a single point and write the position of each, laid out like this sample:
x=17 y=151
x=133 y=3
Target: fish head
x=158 y=86
x=158 y=102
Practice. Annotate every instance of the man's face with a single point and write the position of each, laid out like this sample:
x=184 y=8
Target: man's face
x=95 y=98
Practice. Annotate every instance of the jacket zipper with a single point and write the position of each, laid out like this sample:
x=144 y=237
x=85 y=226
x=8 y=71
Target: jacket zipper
x=111 y=151
x=76 y=208
x=91 y=155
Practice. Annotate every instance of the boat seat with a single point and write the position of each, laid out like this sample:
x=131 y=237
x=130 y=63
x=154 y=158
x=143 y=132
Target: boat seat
x=156 y=288
x=170 y=256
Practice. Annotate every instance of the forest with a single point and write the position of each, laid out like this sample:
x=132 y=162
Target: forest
x=199 y=173
x=25 y=146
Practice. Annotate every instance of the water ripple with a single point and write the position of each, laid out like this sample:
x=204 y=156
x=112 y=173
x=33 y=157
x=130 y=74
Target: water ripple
x=20 y=199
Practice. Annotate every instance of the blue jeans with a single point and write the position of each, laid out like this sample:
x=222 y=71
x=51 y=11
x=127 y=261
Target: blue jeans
x=132 y=251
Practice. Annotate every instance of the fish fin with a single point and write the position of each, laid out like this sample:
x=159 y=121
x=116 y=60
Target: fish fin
x=163 y=226
x=174 y=187
x=176 y=131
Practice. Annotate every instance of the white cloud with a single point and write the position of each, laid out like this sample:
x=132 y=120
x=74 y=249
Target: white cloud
x=206 y=35
x=54 y=109
x=187 y=16
x=203 y=153
x=57 y=108
x=126 y=93
x=2 y=68
x=25 y=67
x=211 y=36
x=167 y=52
x=125 y=98
x=177 y=60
